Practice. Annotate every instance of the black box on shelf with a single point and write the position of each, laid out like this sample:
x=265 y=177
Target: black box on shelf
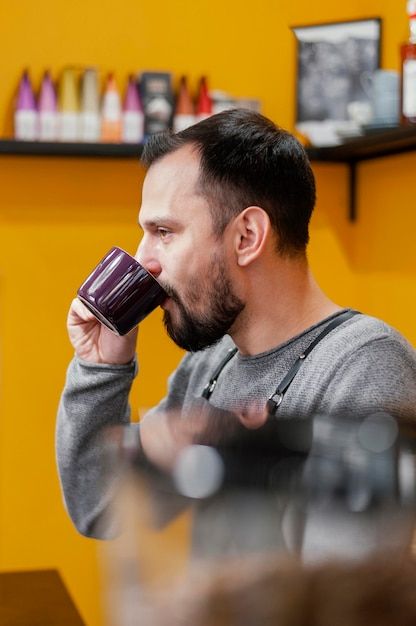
x=157 y=101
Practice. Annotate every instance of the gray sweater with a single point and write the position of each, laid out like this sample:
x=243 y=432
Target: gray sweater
x=361 y=367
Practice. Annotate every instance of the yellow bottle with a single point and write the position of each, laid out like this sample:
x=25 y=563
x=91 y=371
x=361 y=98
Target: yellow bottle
x=68 y=106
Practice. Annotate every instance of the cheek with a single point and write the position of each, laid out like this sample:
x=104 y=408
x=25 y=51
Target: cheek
x=197 y=291
x=179 y=269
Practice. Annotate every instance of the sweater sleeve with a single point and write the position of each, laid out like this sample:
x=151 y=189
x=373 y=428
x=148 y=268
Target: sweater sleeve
x=95 y=397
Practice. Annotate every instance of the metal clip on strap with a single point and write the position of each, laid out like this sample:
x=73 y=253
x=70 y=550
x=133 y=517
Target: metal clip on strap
x=276 y=398
x=210 y=386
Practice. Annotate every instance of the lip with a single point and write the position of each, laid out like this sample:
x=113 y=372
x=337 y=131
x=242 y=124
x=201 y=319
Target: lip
x=164 y=303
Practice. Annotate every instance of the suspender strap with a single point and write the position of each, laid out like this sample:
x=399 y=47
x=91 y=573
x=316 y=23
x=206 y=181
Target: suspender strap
x=209 y=388
x=276 y=398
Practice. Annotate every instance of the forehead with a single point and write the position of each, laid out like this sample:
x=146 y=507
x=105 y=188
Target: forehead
x=171 y=187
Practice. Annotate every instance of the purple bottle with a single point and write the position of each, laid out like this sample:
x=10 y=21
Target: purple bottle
x=120 y=292
x=26 y=116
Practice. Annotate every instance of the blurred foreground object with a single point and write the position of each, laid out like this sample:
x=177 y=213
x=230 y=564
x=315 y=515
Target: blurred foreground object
x=408 y=69
x=379 y=591
x=285 y=500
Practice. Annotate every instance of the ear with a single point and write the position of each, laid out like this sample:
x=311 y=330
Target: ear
x=251 y=231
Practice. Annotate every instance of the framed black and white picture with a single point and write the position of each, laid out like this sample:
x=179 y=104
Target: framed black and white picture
x=332 y=59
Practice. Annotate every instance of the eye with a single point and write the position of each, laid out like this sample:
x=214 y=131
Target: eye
x=163 y=232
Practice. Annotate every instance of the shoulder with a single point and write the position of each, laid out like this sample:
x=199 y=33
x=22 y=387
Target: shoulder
x=366 y=365
x=364 y=334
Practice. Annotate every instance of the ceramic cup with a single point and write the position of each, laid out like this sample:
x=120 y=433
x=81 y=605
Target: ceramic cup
x=120 y=292
x=383 y=89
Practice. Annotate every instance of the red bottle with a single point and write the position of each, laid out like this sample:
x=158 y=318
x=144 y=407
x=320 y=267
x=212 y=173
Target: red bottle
x=204 y=103
x=408 y=83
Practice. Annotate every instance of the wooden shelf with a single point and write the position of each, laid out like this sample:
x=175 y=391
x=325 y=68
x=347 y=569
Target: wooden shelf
x=36 y=597
x=58 y=149
x=373 y=146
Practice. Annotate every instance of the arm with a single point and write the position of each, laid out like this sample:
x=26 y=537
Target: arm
x=95 y=397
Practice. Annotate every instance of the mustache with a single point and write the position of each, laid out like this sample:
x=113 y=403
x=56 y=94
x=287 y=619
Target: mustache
x=172 y=293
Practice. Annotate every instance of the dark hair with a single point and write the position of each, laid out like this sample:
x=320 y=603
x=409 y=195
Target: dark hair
x=247 y=160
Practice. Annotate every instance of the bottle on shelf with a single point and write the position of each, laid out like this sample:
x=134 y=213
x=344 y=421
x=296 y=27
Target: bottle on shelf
x=408 y=73
x=111 y=112
x=48 y=115
x=184 y=110
x=68 y=106
x=133 y=118
x=90 y=123
x=26 y=115
x=204 y=102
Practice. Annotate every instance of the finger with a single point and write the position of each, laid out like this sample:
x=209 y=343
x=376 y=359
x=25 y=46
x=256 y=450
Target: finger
x=78 y=311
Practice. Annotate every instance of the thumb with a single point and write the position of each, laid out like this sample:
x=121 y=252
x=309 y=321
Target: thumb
x=253 y=415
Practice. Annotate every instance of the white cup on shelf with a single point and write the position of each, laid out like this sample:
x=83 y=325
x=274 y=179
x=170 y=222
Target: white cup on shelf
x=383 y=90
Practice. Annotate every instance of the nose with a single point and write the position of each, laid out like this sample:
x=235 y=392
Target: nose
x=146 y=256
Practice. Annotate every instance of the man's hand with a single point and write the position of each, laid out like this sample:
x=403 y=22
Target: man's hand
x=94 y=342
x=165 y=434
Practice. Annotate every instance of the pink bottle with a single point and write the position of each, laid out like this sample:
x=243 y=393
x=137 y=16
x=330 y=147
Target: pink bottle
x=48 y=116
x=133 y=118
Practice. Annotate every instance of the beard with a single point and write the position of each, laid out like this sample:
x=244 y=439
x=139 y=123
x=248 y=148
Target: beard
x=196 y=331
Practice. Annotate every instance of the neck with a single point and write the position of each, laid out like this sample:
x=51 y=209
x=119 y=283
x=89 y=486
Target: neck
x=280 y=308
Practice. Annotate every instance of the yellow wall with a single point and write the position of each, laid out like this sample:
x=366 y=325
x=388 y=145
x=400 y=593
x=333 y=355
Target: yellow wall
x=59 y=216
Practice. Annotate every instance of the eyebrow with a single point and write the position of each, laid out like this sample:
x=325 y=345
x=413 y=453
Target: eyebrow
x=160 y=221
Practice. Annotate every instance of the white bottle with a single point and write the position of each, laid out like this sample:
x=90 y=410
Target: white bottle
x=26 y=125
x=90 y=123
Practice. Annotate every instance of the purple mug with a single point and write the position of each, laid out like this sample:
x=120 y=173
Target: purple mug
x=120 y=292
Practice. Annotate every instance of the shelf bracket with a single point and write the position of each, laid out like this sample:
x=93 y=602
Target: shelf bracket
x=352 y=190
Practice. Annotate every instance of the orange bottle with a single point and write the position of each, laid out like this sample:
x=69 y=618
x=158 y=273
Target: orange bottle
x=184 y=111
x=111 y=112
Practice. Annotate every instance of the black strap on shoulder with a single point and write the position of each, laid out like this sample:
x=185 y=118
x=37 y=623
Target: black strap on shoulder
x=276 y=398
x=209 y=388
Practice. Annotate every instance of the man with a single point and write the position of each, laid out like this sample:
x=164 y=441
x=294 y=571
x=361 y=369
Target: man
x=225 y=213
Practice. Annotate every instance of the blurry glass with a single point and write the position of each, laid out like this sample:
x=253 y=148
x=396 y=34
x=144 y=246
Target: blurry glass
x=145 y=560
x=295 y=491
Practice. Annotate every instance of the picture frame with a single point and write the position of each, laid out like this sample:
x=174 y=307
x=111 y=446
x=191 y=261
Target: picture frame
x=331 y=61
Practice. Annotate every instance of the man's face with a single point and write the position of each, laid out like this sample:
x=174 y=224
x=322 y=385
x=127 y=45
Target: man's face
x=180 y=249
